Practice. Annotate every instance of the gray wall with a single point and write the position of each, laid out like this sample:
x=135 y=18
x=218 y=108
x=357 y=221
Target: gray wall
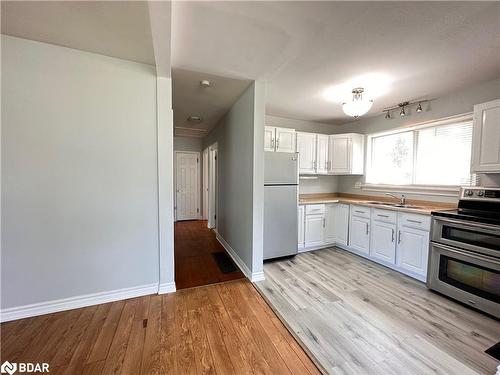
x=300 y=125
x=456 y=103
x=322 y=184
x=235 y=135
x=79 y=173
x=194 y=145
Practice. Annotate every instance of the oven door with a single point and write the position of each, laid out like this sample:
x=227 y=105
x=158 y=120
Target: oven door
x=478 y=237
x=471 y=278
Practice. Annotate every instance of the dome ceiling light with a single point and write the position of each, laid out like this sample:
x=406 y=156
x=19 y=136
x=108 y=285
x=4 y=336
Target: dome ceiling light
x=359 y=105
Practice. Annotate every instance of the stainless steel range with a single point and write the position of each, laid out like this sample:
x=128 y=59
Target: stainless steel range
x=464 y=255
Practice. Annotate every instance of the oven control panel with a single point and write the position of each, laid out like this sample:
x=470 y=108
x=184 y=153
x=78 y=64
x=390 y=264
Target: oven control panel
x=473 y=193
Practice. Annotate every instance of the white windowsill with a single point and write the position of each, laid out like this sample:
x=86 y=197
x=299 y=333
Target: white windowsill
x=443 y=191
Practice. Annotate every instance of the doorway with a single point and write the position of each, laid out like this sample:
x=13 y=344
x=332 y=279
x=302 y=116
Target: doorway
x=199 y=257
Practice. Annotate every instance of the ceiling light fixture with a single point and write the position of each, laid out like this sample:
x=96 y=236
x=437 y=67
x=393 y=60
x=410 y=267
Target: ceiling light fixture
x=419 y=108
x=388 y=115
x=195 y=119
x=402 y=113
x=205 y=83
x=358 y=106
x=403 y=106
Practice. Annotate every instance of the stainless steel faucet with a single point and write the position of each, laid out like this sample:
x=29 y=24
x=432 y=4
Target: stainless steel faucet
x=402 y=199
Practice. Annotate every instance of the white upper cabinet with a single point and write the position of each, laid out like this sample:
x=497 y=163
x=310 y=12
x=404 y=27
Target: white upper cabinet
x=279 y=139
x=285 y=140
x=306 y=147
x=346 y=154
x=486 y=138
x=322 y=154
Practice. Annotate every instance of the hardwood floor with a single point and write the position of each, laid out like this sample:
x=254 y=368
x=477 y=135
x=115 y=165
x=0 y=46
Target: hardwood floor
x=357 y=317
x=194 y=244
x=218 y=329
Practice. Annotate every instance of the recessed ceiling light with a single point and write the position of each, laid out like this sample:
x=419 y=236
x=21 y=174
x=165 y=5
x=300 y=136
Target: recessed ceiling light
x=195 y=119
x=205 y=83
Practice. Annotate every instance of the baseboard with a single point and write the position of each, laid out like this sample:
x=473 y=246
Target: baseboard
x=167 y=288
x=252 y=276
x=48 y=307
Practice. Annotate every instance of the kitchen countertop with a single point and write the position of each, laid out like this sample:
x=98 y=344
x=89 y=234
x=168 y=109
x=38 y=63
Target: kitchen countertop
x=424 y=207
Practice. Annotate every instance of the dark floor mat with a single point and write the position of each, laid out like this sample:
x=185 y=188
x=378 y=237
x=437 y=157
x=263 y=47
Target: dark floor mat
x=224 y=262
x=494 y=351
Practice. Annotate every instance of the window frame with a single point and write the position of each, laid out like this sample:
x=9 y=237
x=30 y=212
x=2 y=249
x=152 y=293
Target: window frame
x=439 y=190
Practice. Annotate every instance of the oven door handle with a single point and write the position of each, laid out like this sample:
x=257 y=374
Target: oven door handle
x=468 y=254
x=493 y=228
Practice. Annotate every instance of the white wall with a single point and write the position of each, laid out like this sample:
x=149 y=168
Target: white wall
x=239 y=136
x=456 y=103
x=79 y=173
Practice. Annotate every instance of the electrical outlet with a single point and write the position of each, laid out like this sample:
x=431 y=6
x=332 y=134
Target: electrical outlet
x=357 y=185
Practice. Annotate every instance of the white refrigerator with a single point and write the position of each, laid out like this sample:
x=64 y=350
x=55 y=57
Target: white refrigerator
x=280 y=204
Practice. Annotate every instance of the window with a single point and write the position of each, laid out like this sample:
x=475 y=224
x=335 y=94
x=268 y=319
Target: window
x=431 y=155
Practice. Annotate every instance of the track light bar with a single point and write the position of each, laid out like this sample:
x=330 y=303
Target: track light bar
x=402 y=107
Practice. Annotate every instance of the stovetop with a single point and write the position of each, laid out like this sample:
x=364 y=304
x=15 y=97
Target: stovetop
x=487 y=217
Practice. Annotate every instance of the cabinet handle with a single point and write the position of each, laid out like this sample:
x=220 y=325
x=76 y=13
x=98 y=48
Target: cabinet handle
x=324 y=220
x=383 y=215
x=278 y=143
x=366 y=228
x=399 y=237
x=359 y=212
x=272 y=142
x=414 y=221
x=392 y=235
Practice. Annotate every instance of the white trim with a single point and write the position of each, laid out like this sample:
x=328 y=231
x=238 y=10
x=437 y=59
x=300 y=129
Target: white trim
x=167 y=288
x=70 y=303
x=253 y=277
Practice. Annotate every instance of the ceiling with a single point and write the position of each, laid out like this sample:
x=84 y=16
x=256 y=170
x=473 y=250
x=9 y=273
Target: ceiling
x=210 y=103
x=396 y=50
x=112 y=28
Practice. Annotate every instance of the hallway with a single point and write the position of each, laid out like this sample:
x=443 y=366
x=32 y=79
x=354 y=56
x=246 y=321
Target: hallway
x=194 y=262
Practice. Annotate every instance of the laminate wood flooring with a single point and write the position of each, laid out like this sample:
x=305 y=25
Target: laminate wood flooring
x=224 y=328
x=194 y=244
x=357 y=317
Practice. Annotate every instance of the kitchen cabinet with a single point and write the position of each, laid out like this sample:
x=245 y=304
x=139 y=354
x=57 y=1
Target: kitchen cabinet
x=346 y=154
x=383 y=241
x=412 y=250
x=301 y=219
x=306 y=147
x=486 y=138
x=279 y=139
x=314 y=230
x=321 y=154
x=336 y=223
x=359 y=234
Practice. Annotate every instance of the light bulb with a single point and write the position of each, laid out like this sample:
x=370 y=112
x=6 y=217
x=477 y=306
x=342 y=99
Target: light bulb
x=419 y=107
x=402 y=113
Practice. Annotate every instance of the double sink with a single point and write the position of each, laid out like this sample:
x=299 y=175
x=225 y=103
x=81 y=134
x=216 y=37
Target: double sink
x=388 y=204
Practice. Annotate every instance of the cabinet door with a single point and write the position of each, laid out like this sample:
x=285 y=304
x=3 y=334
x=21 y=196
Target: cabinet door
x=306 y=147
x=314 y=230
x=322 y=154
x=359 y=234
x=301 y=227
x=339 y=154
x=486 y=137
x=285 y=140
x=330 y=222
x=412 y=250
x=269 y=138
x=383 y=241
x=341 y=228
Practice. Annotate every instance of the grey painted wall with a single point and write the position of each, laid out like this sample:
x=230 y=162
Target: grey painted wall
x=322 y=184
x=194 y=145
x=453 y=104
x=235 y=136
x=79 y=173
x=300 y=125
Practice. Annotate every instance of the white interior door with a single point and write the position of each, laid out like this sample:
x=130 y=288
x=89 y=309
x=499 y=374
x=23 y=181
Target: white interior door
x=212 y=187
x=187 y=186
x=205 y=183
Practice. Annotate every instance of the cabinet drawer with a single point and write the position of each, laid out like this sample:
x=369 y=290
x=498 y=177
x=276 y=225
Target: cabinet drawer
x=384 y=215
x=315 y=209
x=415 y=221
x=360 y=211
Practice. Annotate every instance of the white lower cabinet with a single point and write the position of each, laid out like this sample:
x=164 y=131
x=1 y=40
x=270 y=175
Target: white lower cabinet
x=383 y=241
x=413 y=250
x=359 y=234
x=330 y=221
x=314 y=230
x=301 y=217
x=341 y=227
